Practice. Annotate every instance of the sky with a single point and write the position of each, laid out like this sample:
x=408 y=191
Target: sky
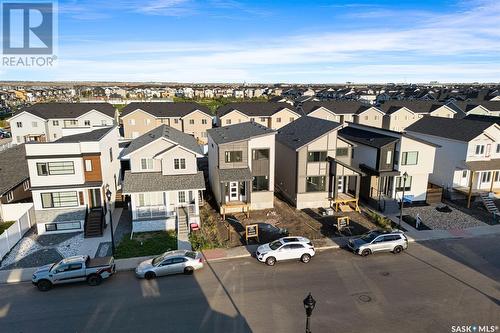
x=274 y=41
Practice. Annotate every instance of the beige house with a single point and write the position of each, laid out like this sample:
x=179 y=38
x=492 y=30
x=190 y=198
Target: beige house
x=312 y=168
x=369 y=116
x=339 y=111
x=273 y=115
x=190 y=118
x=241 y=166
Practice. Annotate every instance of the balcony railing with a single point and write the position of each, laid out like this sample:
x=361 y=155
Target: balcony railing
x=149 y=212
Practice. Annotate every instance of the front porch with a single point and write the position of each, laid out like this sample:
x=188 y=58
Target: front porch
x=479 y=177
x=235 y=191
x=344 y=186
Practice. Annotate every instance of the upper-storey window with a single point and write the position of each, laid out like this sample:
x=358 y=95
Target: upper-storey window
x=86 y=122
x=179 y=163
x=131 y=121
x=498 y=148
x=262 y=119
x=204 y=121
x=55 y=122
x=278 y=120
x=34 y=124
x=191 y=121
x=388 y=158
x=292 y=119
x=146 y=163
x=228 y=121
x=409 y=158
x=234 y=156
x=316 y=156
x=261 y=154
x=479 y=149
x=55 y=168
x=344 y=151
x=111 y=154
x=70 y=123
x=19 y=124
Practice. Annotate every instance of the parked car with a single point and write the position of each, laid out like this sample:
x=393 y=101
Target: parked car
x=286 y=248
x=172 y=262
x=269 y=232
x=379 y=241
x=74 y=269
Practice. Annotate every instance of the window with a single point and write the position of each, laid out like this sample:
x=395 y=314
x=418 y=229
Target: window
x=278 y=120
x=228 y=121
x=191 y=121
x=497 y=176
x=479 y=149
x=233 y=156
x=182 y=197
x=103 y=122
x=19 y=124
x=176 y=121
x=292 y=119
x=62 y=226
x=10 y=196
x=409 y=158
x=261 y=154
x=70 y=123
x=316 y=156
x=179 y=163
x=388 y=158
x=34 y=124
x=204 y=121
x=146 y=163
x=203 y=134
x=42 y=169
x=315 y=184
x=86 y=122
x=26 y=185
x=55 y=122
x=74 y=267
x=131 y=121
x=111 y=154
x=485 y=177
x=498 y=148
x=260 y=183
x=151 y=199
x=342 y=152
x=88 y=165
x=54 y=135
x=252 y=120
x=55 y=168
x=400 y=183
x=366 y=117
x=262 y=119
x=464 y=174
x=147 y=121
x=59 y=199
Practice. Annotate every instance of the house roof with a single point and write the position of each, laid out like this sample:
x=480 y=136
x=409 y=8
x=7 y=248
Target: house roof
x=238 y=132
x=68 y=110
x=476 y=117
x=337 y=107
x=483 y=165
x=490 y=105
x=255 y=109
x=450 y=128
x=163 y=131
x=165 y=109
x=367 y=138
x=389 y=107
x=138 y=182
x=304 y=130
x=13 y=168
x=92 y=136
x=234 y=175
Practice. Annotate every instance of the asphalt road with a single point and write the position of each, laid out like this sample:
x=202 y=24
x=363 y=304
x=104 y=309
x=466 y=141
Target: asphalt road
x=429 y=288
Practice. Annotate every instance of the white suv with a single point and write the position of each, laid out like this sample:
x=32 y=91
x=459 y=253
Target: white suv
x=286 y=248
x=379 y=241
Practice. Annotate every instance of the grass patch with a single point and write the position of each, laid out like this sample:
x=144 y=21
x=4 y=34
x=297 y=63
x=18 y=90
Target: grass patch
x=5 y=225
x=146 y=244
x=214 y=103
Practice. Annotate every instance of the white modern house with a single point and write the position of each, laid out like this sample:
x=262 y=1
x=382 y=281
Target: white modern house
x=46 y=122
x=163 y=181
x=468 y=159
x=70 y=178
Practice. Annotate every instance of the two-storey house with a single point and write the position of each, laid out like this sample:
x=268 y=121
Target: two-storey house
x=241 y=166
x=70 y=178
x=385 y=156
x=312 y=167
x=190 y=118
x=163 y=183
x=46 y=122
x=468 y=160
x=273 y=115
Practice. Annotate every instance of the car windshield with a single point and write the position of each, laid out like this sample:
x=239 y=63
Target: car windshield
x=275 y=245
x=157 y=260
x=368 y=237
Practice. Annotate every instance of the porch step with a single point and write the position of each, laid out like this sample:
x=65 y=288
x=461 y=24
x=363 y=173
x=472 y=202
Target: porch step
x=93 y=226
x=489 y=204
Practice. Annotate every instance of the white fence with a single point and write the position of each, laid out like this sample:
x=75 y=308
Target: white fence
x=10 y=237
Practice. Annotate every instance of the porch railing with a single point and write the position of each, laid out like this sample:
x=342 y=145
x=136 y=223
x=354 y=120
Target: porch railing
x=149 y=212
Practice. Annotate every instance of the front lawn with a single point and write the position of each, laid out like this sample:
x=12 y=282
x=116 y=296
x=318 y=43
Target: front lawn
x=146 y=244
x=5 y=225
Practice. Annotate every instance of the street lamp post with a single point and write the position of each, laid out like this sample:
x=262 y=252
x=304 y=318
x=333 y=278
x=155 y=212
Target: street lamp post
x=405 y=176
x=309 y=304
x=108 y=195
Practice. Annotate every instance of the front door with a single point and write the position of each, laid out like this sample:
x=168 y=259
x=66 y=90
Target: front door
x=233 y=191
x=95 y=198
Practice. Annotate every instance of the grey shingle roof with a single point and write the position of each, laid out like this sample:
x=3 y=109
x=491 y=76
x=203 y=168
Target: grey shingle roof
x=95 y=135
x=304 y=130
x=255 y=109
x=13 y=168
x=476 y=117
x=68 y=110
x=238 y=132
x=233 y=175
x=337 y=107
x=390 y=107
x=166 y=109
x=155 y=182
x=490 y=105
x=451 y=128
x=163 y=131
x=367 y=138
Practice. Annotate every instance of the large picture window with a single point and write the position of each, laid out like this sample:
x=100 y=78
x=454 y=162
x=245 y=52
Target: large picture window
x=59 y=199
x=55 y=168
x=260 y=183
x=316 y=184
x=400 y=183
x=409 y=158
x=316 y=156
x=261 y=154
x=342 y=152
x=146 y=163
x=233 y=156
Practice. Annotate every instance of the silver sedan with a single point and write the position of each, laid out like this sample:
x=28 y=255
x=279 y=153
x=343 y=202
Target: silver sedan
x=172 y=262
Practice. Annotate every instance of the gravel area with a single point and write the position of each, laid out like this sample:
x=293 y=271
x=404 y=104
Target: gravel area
x=37 y=258
x=434 y=219
x=50 y=240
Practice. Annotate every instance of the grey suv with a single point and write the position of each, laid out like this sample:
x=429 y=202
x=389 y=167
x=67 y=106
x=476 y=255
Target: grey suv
x=379 y=241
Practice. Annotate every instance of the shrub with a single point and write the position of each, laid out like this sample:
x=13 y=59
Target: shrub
x=208 y=235
x=381 y=221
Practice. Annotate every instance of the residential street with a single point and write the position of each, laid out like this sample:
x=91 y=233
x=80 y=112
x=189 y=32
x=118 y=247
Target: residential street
x=431 y=287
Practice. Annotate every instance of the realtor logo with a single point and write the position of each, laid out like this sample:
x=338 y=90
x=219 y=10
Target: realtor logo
x=27 y=28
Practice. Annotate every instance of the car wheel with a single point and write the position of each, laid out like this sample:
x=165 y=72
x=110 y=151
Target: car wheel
x=305 y=258
x=149 y=275
x=271 y=261
x=94 y=280
x=365 y=252
x=398 y=249
x=44 y=285
x=188 y=270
